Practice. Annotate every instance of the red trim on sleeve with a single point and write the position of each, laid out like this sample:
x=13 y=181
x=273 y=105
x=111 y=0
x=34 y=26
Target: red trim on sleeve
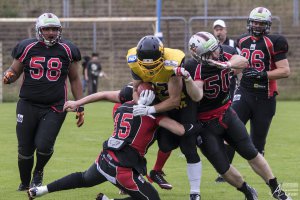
x=28 y=47
x=272 y=87
x=158 y=118
x=197 y=76
x=68 y=50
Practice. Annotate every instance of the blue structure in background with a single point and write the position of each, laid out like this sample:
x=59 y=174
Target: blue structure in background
x=158 y=33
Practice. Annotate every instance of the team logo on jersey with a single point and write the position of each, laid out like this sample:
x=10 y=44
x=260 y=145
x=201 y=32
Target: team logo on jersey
x=141 y=179
x=171 y=63
x=236 y=97
x=252 y=47
x=132 y=58
x=114 y=143
x=19 y=118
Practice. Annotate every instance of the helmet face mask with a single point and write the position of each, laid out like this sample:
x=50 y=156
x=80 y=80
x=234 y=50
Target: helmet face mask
x=48 y=29
x=259 y=21
x=150 y=52
x=204 y=46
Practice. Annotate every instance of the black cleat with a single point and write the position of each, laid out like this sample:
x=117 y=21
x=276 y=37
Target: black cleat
x=280 y=194
x=157 y=177
x=220 y=179
x=195 y=197
x=249 y=192
x=23 y=187
x=37 y=179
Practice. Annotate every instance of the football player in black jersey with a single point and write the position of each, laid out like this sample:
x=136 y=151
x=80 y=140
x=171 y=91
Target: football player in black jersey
x=220 y=32
x=210 y=68
x=255 y=99
x=122 y=161
x=46 y=62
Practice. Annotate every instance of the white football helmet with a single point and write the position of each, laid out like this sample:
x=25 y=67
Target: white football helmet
x=259 y=14
x=201 y=45
x=47 y=20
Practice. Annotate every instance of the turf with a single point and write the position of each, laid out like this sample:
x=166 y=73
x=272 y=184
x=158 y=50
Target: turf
x=77 y=148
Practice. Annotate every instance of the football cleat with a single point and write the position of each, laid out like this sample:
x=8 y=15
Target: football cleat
x=195 y=197
x=37 y=179
x=249 y=192
x=220 y=179
x=102 y=196
x=37 y=192
x=23 y=187
x=280 y=194
x=157 y=177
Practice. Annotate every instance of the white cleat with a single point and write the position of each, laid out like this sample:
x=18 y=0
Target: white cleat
x=37 y=192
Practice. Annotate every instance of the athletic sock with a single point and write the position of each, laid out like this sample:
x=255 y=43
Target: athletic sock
x=194 y=172
x=25 y=164
x=41 y=160
x=161 y=160
x=71 y=181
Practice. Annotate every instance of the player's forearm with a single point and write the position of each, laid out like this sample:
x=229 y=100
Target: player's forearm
x=193 y=90
x=168 y=104
x=282 y=70
x=112 y=96
x=172 y=126
x=238 y=62
x=76 y=88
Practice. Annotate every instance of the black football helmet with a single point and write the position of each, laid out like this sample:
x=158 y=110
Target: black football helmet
x=150 y=51
x=262 y=15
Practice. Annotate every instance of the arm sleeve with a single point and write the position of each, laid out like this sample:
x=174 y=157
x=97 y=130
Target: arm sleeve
x=280 y=49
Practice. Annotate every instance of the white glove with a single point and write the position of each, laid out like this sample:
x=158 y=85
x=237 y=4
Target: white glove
x=179 y=71
x=219 y=64
x=146 y=97
x=142 y=110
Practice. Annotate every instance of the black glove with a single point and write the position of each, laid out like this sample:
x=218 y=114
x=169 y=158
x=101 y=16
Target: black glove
x=194 y=128
x=254 y=73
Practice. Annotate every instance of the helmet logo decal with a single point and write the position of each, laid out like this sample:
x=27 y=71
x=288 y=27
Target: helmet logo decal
x=208 y=44
x=49 y=20
x=193 y=47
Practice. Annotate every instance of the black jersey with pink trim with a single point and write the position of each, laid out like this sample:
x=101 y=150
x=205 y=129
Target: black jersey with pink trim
x=138 y=132
x=262 y=53
x=216 y=81
x=45 y=70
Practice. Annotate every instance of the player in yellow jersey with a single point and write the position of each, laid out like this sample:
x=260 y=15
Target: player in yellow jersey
x=151 y=62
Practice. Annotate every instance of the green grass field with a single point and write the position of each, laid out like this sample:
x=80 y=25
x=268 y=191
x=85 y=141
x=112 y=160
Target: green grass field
x=76 y=149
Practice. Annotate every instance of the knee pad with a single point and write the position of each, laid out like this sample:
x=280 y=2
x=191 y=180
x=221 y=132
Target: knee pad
x=25 y=152
x=23 y=157
x=44 y=154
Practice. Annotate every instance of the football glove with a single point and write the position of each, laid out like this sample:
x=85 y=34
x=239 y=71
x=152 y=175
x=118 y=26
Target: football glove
x=254 y=73
x=180 y=71
x=8 y=77
x=142 y=110
x=80 y=116
x=146 y=97
x=219 y=64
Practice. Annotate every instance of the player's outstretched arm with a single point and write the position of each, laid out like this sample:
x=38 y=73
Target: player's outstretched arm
x=180 y=129
x=112 y=96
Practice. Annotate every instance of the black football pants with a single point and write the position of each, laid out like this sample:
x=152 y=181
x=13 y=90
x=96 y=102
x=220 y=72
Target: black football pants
x=259 y=111
x=126 y=179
